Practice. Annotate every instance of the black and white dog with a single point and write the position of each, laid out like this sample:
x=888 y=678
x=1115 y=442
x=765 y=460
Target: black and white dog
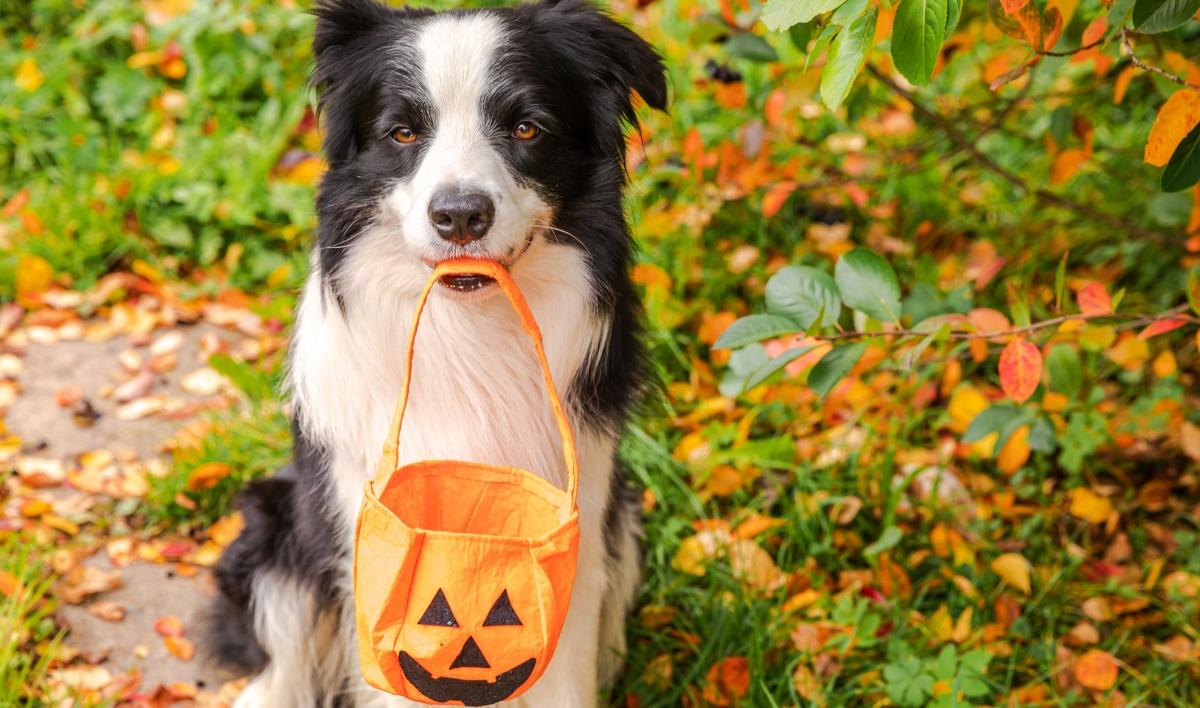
x=490 y=133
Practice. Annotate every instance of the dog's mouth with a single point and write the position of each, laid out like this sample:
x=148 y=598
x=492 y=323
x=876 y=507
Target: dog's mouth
x=471 y=283
x=466 y=283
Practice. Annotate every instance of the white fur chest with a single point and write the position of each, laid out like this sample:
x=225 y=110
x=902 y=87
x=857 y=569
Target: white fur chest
x=477 y=391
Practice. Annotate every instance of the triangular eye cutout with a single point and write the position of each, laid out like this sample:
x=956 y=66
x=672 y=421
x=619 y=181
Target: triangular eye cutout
x=438 y=613
x=502 y=613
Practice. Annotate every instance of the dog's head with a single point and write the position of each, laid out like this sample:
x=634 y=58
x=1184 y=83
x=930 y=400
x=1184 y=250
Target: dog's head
x=471 y=133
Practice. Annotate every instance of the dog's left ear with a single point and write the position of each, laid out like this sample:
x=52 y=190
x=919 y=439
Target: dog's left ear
x=607 y=56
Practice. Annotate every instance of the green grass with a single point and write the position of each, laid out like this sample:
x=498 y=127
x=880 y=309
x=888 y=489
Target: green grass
x=28 y=635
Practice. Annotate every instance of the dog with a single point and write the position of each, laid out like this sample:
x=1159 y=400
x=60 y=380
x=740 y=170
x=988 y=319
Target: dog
x=496 y=134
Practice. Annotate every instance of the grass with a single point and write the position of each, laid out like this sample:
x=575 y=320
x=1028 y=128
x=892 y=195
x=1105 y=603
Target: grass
x=29 y=636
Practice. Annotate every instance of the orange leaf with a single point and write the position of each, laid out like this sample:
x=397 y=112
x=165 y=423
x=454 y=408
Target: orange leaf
x=1161 y=327
x=1121 y=83
x=1175 y=120
x=1011 y=6
x=180 y=648
x=1094 y=300
x=776 y=197
x=1066 y=164
x=207 y=475
x=169 y=626
x=774 y=108
x=10 y=585
x=1020 y=369
x=1096 y=669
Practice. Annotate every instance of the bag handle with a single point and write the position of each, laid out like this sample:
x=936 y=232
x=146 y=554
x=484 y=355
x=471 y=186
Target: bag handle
x=497 y=272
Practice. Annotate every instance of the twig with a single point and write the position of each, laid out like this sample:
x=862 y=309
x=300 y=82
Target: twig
x=1044 y=195
x=1076 y=50
x=1132 y=320
x=1133 y=57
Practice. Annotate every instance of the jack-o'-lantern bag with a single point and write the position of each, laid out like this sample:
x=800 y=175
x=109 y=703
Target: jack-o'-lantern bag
x=463 y=571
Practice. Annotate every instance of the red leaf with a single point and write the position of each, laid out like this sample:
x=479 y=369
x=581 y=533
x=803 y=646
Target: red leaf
x=1161 y=327
x=1094 y=300
x=1020 y=369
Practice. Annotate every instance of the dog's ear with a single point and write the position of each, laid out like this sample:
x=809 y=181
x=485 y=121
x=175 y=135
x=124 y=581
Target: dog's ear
x=347 y=35
x=607 y=56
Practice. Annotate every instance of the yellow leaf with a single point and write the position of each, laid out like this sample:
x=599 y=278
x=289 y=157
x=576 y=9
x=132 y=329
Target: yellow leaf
x=1089 y=506
x=1096 y=669
x=1175 y=120
x=1096 y=338
x=962 y=626
x=940 y=625
x=29 y=77
x=1130 y=352
x=965 y=403
x=34 y=275
x=1014 y=570
x=1015 y=452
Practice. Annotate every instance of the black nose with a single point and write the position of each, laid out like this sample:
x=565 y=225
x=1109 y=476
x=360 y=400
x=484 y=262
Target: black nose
x=461 y=217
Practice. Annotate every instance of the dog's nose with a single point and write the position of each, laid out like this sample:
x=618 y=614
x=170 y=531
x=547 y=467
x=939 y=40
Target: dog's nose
x=461 y=217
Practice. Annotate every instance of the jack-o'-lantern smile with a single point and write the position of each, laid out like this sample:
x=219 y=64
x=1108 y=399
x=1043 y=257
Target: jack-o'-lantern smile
x=472 y=692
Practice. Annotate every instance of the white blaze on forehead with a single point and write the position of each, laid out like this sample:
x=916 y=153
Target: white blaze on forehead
x=456 y=52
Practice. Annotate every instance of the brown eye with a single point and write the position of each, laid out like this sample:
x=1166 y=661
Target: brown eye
x=526 y=131
x=404 y=134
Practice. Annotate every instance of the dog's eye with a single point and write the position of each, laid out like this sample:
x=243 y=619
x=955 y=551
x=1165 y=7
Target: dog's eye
x=404 y=134
x=526 y=131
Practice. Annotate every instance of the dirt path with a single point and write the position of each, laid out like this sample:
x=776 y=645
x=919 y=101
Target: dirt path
x=64 y=408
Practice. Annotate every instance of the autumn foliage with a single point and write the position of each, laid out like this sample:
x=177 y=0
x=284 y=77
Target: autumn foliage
x=921 y=289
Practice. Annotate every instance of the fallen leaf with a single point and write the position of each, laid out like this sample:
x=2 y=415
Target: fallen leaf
x=202 y=382
x=84 y=581
x=169 y=626
x=107 y=610
x=180 y=647
x=1096 y=669
x=1189 y=440
x=10 y=585
x=1014 y=570
x=136 y=387
x=1089 y=506
x=207 y=475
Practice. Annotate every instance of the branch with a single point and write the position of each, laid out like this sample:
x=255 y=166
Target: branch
x=982 y=158
x=1131 y=321
x=1076 y=50
x=1133 y=57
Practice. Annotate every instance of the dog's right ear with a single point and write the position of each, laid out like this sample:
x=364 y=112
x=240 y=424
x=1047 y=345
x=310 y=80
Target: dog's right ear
x=347 y=37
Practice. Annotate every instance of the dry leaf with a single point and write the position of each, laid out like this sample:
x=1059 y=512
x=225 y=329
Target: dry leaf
x=1096 y=669
x=84 y=581
x=180 y=647
x=107 y=610
x=169 y=626
x=207 y=475
x=1089 y=506
x=1014 y=570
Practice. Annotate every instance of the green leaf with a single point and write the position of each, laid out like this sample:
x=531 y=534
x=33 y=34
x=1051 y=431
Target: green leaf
x=1118 y=13
x=845 y=15
x=991 y=420
x=807 y=295
x=781 y=14
x=768 y=370
x=846 y=58
x=750 y=47
x=1183 y=169
x=754 y=328
x=834 y=366
x=869 y=284
x=1065 y=370
x=827 y=34
x=953 y=13
x=887 y=540
x=917 y=38
x=801 y=35
x=1155 y=16
x=748 y=359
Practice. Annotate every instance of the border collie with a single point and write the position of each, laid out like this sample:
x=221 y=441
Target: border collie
x=496 y=134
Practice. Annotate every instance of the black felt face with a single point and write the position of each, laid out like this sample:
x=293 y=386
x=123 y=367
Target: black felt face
x=472 y=692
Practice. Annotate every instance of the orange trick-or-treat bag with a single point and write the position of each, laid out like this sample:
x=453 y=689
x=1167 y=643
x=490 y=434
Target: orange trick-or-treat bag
x=462 y=571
